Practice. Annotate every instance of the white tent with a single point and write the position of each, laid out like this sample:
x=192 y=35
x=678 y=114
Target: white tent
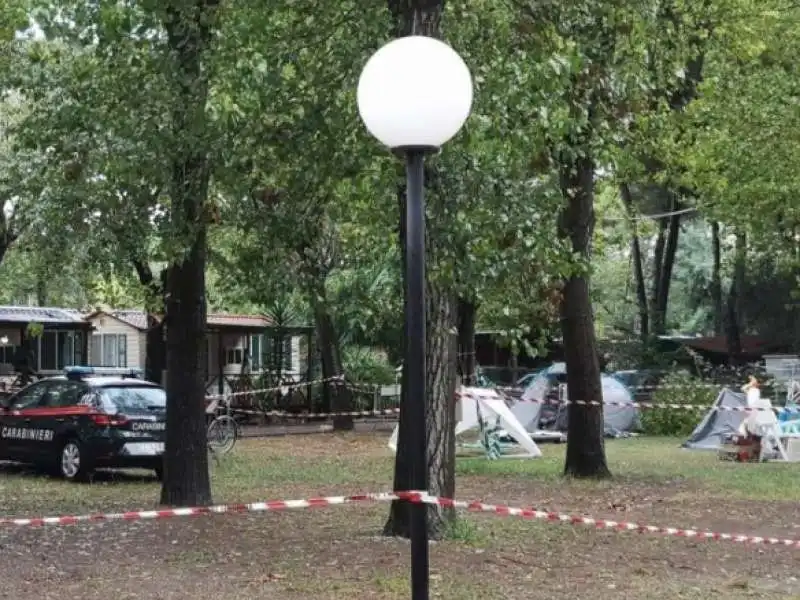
x=492 y=407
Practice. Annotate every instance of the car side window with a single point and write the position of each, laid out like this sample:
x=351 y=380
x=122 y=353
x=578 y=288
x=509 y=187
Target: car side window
x=30 y=396
x=65 y=393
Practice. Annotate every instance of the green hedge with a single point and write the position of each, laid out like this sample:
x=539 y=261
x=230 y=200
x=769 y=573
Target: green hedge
x=677 y=389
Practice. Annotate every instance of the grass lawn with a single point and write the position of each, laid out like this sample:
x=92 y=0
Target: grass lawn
x=337 y=553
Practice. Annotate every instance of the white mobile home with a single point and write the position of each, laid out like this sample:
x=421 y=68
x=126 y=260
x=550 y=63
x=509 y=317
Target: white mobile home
x=238 y=345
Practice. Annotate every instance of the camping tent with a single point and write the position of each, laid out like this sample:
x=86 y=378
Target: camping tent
x=716 y=424
x=532 y=411
x=476 y=404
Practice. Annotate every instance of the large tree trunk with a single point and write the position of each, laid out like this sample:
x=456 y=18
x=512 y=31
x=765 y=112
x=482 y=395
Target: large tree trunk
x=186 y=477
x=441 y=364
x=441 y=358
x=585 y=444
x=638 y=266
x=716 y=280
x=467 y=362
x=336 y=397
x=735 y=317
x=422 y=17
x=399 y=521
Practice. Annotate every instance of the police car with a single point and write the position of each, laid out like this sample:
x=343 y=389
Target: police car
x=86 y=419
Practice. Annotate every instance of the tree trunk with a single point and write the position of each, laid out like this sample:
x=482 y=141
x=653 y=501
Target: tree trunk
x=735 y=317
x=41 y=290
x=585 y=444
x=638 y=266
x=441 y=367
x=186 y=477
x=422 y=17
x=658 y=261
x=716 y=280
x=399 y=521
x=336 y=397
x=155 y=345
x=467 y=362
x=441 y=359
x=665 y=273
x=155 y=350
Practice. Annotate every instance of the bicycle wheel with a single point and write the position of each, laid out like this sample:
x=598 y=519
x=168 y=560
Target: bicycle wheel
x=222 y=434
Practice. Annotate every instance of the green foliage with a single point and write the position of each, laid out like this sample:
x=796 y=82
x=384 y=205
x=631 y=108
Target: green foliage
x=34 y=330
x=367 y=366
x=681 y=389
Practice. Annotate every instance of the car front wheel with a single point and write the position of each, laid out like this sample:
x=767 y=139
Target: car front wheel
x=72 y=462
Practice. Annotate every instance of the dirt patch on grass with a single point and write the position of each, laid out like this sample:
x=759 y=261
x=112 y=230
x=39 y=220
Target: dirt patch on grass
x=337 y=553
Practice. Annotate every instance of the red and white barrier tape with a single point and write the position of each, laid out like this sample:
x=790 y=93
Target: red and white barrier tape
x=277 y=388
x=639 y=388
x=386 y=412
x=567 y=519
x=415 y=497
x=665 y=405
x=642 y=405
x=167 y=513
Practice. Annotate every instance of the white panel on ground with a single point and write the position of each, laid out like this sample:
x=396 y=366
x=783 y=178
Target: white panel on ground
x=492 y=406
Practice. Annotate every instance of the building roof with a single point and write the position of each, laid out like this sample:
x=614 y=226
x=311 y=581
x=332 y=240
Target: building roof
x=751 y=345
x=233 y=320
x=138 y=319
x=134 y=318
x=41 y=314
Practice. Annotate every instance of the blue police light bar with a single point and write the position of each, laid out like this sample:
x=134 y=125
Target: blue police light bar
x=79 y=372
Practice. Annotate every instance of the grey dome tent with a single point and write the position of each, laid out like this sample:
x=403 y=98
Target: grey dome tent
x=717 y=424
x=620 y=415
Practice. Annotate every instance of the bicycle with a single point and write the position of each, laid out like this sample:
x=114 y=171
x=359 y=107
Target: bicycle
x=223 y=430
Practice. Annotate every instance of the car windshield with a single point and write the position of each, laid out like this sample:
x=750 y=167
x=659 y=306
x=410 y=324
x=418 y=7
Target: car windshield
x=126 y=398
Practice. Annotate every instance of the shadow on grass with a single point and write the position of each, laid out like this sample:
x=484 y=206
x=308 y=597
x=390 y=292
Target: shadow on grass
x=653 y=461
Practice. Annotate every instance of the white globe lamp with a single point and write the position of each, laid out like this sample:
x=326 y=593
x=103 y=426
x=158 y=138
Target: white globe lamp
x=414 y=92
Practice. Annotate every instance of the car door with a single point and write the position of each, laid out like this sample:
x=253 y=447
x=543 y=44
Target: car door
x=20 y=421
x=57 y=413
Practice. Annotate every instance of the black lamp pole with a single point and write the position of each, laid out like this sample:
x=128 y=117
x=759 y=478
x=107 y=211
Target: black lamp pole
x=415 y=363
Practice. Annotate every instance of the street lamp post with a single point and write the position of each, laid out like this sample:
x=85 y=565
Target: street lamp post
x=414 y=94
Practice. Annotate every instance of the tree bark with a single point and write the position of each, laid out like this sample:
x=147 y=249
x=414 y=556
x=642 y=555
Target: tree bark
x=665 y=272
x=441 y=365
x=441 y=358
x=735 y=317
x=41 y=290
x=467 y=361
x=155 y=346
x=186 y=477
x=638 y=266
x=155 y=350
x=423 y=17
x=336 y=397
x=716 y=280
x=658 y=262
x=399 y=521
x=585 y=443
